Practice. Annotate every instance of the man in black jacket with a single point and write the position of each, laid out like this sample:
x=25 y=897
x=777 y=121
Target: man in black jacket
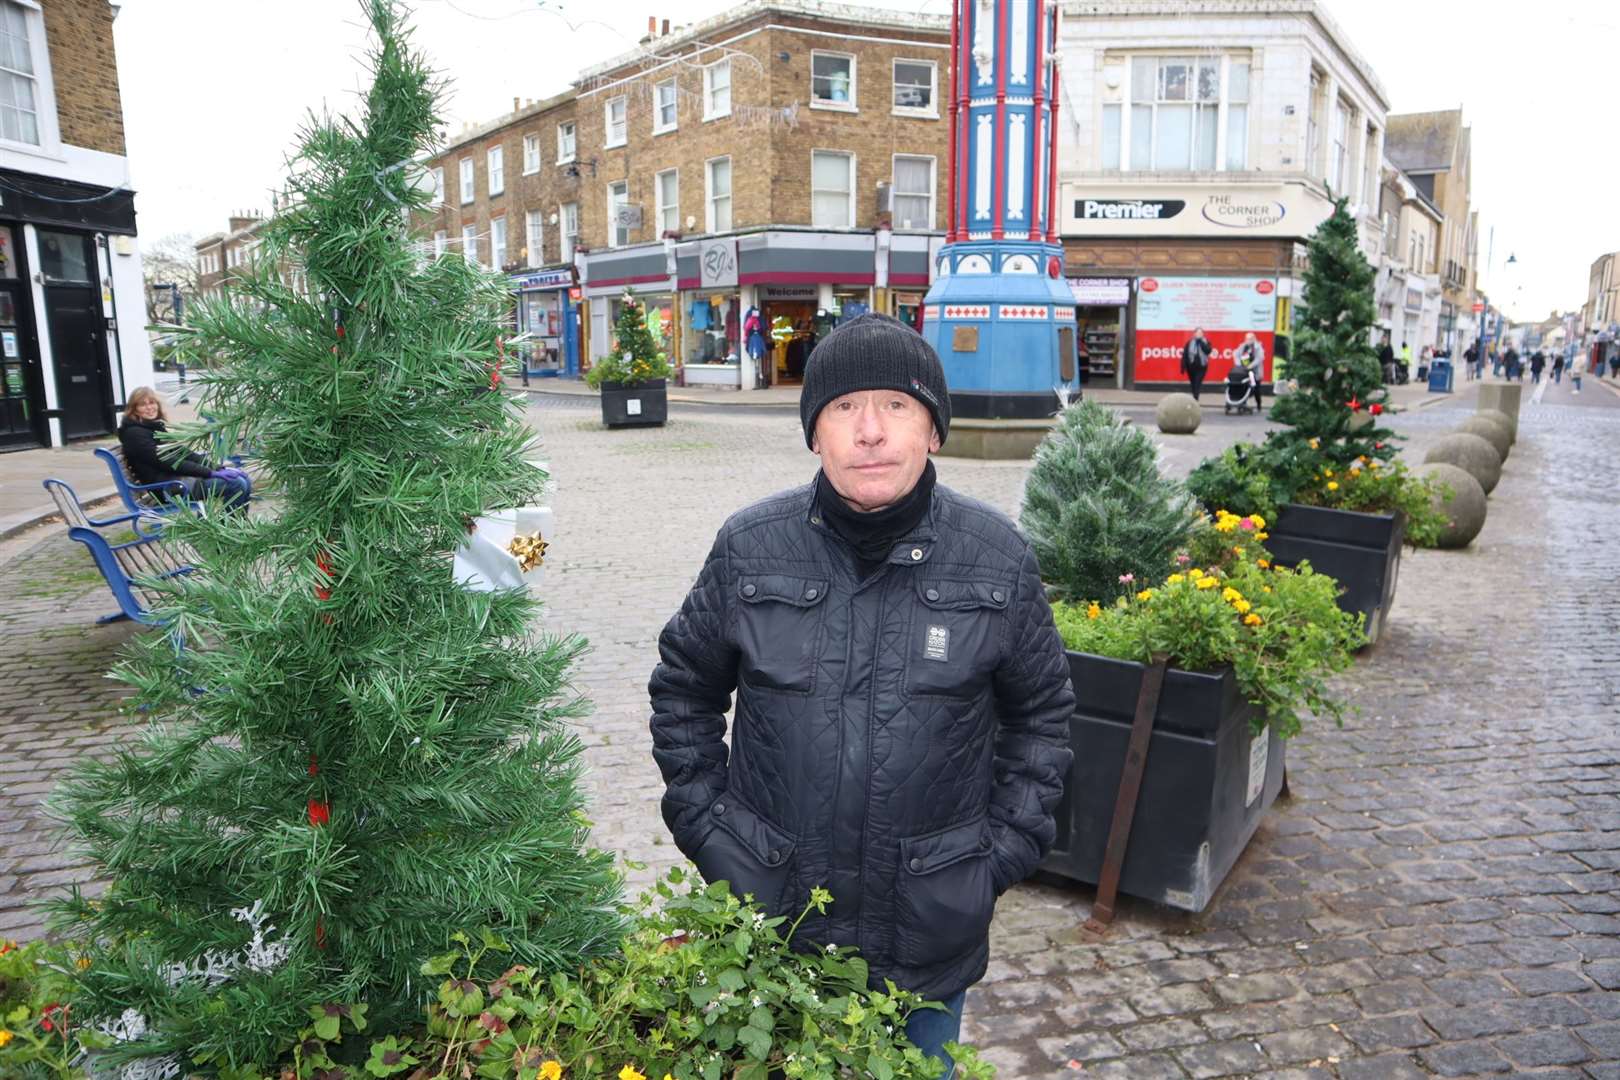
x=1195 y=360
x=903 y=698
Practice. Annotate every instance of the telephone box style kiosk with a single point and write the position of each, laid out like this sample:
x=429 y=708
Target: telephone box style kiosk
x=1000 y=314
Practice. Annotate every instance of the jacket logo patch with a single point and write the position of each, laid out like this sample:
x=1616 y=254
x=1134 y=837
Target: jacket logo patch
x=938 y=645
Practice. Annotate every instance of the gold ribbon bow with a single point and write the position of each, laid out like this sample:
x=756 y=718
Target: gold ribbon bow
x=529 y=551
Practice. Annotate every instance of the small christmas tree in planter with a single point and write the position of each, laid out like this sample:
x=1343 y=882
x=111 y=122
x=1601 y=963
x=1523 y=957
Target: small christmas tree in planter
x=632 y=376
x=353 y=756
x=1334 y=431
x=1139 y=574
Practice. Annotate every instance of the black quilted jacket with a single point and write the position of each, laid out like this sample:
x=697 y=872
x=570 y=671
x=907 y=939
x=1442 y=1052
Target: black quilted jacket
x=900 y=741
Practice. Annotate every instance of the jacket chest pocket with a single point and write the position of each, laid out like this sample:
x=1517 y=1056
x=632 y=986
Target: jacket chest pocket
x=779 y=628
x=956 y=637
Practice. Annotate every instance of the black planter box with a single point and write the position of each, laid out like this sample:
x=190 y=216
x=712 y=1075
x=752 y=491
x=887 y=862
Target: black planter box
x=1360 y=551
x=637 y=404
x=1208 y=781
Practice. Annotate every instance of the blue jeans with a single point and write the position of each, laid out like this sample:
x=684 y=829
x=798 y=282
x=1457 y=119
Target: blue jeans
x=234 y=492
x=931 y=1029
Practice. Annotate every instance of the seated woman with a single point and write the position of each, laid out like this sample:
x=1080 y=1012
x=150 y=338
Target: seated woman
x=152 y=463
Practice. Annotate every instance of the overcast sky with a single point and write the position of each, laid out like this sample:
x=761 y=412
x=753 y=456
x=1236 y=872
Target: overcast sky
x=214 y=92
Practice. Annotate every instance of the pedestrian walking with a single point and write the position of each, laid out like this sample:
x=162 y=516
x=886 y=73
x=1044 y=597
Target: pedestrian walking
x=1195 y=360
x=1537 y=363
x=903 y=698
x=1386 y=360
x=1404 y=372
x=1558 y=370
x=1251 y=358
x=1577 y=368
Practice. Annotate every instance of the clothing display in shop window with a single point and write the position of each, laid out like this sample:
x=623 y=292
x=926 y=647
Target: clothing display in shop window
x=699 y=317
x=852 y=308
x=753 y=330
x=733 y=325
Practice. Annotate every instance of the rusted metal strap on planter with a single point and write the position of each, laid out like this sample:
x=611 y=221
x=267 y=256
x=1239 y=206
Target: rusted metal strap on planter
x=1130 y=786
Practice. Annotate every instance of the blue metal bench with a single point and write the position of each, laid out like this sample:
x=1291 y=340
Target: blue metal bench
x=164 y=497
x=128 y=567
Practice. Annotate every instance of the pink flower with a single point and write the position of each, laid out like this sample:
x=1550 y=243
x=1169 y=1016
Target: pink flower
x=1183 y=560
x=1246 y=523
x=1126 y=579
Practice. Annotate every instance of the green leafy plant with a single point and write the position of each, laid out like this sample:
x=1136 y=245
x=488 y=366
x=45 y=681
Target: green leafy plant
x=39 y=1037
x=1096 y=508
x=1279 y=630
x=635 y=354
x=1372 y=487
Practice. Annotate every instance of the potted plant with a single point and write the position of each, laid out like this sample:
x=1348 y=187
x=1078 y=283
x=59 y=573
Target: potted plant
x=1137 y=571
x=632 y=376
x=1334 y=427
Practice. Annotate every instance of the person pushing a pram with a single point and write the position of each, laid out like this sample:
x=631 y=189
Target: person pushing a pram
x=1243 y=381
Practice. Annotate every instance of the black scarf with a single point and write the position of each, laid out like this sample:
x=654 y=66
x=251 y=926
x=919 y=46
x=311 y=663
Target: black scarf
x=873 y=535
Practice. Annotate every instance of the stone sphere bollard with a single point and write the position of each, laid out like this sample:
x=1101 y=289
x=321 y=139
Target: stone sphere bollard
x=1504 y=419
x=1465 y=510
x=1493 y=428
x=1470 y=453
x=1178 y=414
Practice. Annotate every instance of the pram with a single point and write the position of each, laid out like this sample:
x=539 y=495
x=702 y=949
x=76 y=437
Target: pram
x=1240 y=387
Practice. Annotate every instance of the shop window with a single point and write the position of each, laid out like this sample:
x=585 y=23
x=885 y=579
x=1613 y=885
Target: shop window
x=664 y=111
x=717 y=90
x=914 y=87
x=832 y=203
x=497 y=170
x=616 y=129
x=64 y=257
x=713 y=322
x=913 y=192
x=19 y=89
x=565 y=143
x=718 y=214
x=832 y=80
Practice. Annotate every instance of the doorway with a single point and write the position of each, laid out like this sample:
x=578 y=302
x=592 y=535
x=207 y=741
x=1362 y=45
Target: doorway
x=78 y=333
x=22 y=400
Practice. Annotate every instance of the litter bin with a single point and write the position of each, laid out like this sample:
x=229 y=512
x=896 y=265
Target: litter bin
x=1440 y=375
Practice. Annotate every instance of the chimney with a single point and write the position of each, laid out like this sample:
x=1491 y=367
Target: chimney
x=516 y=103
x=652 y=26
x=665 y=31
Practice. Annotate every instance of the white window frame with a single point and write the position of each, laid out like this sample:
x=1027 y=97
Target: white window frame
x=1338 y=163
x=45 y=117
x=438 y=185
x=534 y=237
x=658 y=127
x=1221 y=105
x=495 y=166
x=469 y=243
x=531 y=153
x=608 y=141
x=613 y=240
x=849 y=218
x=469 y=180
x=710 y=222
x=836 y=106
x=932 y=111
x=497 y=242
x=709 y=79
x=895 y=194
x=567 y=141
x=441 y=242
x=568 y=230
x=664 y=208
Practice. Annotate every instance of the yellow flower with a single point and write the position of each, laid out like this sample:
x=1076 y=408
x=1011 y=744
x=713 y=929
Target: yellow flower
x=82 y=963
x=1265 y=588
x=1259 y=522
x=551 y=1070
x=1175 y=579
x=1230 y=594
x=1261 y=535
x=629 y=1073
x=1207 y=583
x=1145 y=594
x=1328 y=473
x=1251 y=620
x=1316 y=444
x=5 y=1036
x=1092 y=612
x=1237 y=550
x=1333 y=485
x=1262 y=564
x=1362 y=460
x=1242 y=606
x=1354 y=472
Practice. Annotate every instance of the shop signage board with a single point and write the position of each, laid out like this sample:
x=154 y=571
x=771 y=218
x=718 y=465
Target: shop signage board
x=544 y=279
x=1205 y=210
x=1168 y=309
x=1101 y=291
x=717 y=264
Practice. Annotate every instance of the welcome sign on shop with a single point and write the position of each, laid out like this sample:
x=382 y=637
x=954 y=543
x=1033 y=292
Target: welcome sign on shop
x=1169 y=308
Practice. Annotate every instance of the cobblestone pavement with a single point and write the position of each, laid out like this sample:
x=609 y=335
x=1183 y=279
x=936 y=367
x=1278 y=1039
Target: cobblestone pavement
x=1437 y=897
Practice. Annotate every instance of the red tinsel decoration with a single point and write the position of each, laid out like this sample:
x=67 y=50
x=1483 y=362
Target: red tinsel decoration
x=319 y=813
x=323 y=592
x=1355 y=406
x=313 y=765
x=1375 y=409
x=320 y=933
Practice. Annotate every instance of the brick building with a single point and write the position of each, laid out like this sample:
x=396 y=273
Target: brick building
x=221 y=255
x=788 y=155
x=72 y=303
x=1199 y=145
x=1435 y=150
x=1408 y=284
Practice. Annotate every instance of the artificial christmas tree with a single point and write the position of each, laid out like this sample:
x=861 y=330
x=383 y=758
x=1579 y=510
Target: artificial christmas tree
x=352 y=756
x=1339 y=388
